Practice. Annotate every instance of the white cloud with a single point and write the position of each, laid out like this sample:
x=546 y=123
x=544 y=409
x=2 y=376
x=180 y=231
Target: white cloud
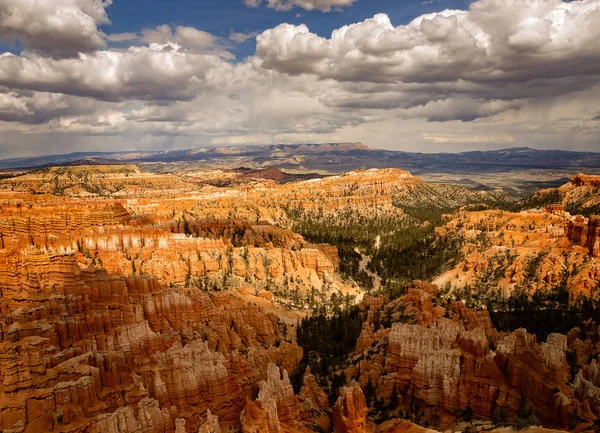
x=240 y=37
x=188 y=37
x=502 y=73
x=494 y=43
x=252 y=3
x=160 y=72
x=309 y=5
x=57 y=27
x=41 y=107
x=122 y=37
x=453 y=138
x=185 y=38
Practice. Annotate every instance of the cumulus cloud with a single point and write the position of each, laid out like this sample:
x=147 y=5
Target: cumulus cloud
x=495 y=42
x=309 y=5
x=61 y=28
x=504 y=72
x=40 y=107
x=122 y=37
x=160 y=72
x=241 y=37
x=188 y=37
x=184 y=38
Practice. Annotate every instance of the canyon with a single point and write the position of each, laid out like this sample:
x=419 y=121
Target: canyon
x=133 y=301
x=533 y=247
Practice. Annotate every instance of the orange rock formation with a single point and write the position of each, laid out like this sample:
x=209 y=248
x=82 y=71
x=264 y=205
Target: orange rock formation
x=350 y=411
x=453 y=358
x=132 y=302
x=533 y=249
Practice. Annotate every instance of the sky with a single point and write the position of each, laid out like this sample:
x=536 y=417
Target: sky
x=412 y=75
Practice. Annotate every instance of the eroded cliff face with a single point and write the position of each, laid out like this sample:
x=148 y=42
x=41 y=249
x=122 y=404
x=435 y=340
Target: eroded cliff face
x=535 y=249
x=442 y=360
x=593 y=236
x=88 y=350
x=350 y=411
x=140 y=303
x=354 y=196
x=53 y=224
x=585 y=232
x=581 y=179
x=114 y=321
x=39 y=239
x=581 y=193
x=276 y=407
x=131 y=355
x=93 y=180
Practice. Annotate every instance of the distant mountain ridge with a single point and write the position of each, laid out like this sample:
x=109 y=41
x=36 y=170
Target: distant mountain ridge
x=330 y=157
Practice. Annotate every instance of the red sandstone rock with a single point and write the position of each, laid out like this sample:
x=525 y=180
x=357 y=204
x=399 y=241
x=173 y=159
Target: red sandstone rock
x=275 y=409
x=211 y=425
x=581 y=179
x=311 y=393
x=593 y=236
x=114 y=354
x=350 y=411
x=92 y=339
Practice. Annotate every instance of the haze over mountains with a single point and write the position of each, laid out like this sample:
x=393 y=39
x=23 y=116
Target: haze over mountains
x=332 y=158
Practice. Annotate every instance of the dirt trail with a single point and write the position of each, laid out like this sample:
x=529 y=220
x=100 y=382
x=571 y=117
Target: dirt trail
x=363 y=267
